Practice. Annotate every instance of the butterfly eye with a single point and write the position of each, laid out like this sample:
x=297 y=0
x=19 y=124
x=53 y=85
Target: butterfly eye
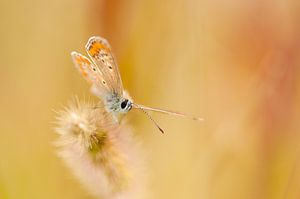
x=124 y=104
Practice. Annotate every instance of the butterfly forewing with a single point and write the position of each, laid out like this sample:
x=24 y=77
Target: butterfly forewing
x=100 y=52
x=89 y=71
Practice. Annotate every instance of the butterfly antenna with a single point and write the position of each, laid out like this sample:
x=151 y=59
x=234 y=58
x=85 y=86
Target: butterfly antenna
x=142 y=109
x=169 y=112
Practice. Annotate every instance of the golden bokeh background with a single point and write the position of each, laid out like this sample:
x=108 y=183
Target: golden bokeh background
x=233 y=62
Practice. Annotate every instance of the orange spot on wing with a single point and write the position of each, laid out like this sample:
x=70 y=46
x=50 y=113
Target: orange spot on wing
x=78 y=60
x=84 y=73
x=81 y=60
x=96 y=47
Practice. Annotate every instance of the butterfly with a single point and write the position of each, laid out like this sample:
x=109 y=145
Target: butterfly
x=101 y=71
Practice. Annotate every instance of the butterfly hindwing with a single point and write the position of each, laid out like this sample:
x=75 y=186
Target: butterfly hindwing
x=88 y=70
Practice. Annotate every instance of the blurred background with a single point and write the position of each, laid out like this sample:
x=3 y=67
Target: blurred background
x=235 y=63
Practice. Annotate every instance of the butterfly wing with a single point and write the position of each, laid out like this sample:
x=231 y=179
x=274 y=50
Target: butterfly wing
x=90 y=72
x=101 y=55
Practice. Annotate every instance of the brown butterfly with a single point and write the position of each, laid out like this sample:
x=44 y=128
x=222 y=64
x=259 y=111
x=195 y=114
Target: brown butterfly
x=102 y=72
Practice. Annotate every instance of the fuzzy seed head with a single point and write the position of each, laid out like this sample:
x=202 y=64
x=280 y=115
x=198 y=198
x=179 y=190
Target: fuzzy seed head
x=102 y=154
